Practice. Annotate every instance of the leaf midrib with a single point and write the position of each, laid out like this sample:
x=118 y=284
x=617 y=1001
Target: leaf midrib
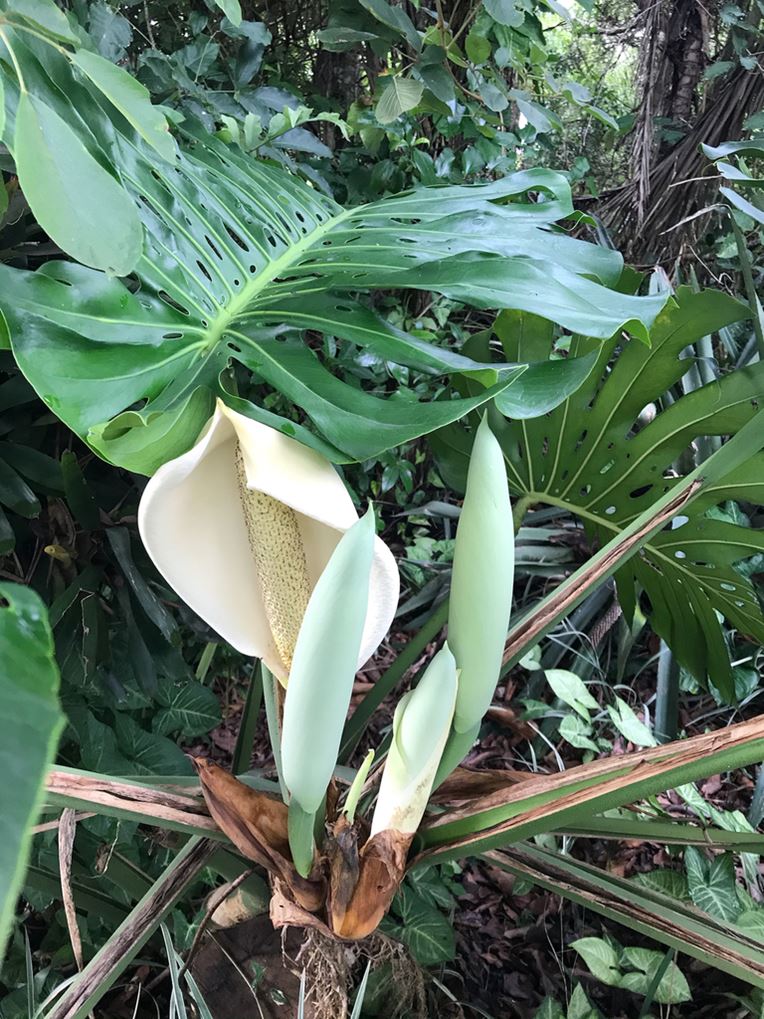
x=227 y=315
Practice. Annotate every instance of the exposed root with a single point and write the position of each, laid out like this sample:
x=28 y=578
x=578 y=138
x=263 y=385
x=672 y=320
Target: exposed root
x=333 y=969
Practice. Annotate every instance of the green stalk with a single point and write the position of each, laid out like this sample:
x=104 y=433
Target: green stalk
x=301 y=824
x=667 y=695
x=271 y=687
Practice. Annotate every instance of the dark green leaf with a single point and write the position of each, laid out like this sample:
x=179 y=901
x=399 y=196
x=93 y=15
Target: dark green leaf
x=191 y=709
x=119 y=539
x=78 y=494
x=30 y=724
x=15 y=493
x=426 y=931
x=148 y=752
x=35 y=466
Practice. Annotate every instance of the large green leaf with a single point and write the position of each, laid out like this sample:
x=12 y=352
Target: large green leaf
x=30 y=723
x=241 y=257
x=55 y=169
x=590 y=457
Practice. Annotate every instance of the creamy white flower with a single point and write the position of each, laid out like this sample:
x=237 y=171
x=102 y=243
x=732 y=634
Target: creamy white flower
x=242 y=526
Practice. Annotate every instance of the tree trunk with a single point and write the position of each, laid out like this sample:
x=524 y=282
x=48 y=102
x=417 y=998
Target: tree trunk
x=651 y=217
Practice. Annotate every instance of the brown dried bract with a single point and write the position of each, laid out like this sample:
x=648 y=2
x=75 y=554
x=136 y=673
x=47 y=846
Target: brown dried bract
x=285 y=912
x=381 y=870
x=344 y=868
x=256 y=823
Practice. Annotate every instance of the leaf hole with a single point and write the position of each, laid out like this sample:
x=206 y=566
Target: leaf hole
x=727 y=587
x=610 y=510
x=639 y=492
x=172 y=336
x=213 y=247
x=679 y=554
x=236 y=238
x=165 y=297
x=234 y=347
x=204 y=270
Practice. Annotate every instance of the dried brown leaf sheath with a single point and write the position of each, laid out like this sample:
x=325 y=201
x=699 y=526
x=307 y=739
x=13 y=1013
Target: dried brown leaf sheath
x=361 y=882
x=344 y=868
x=382 y=865
x=256 y=823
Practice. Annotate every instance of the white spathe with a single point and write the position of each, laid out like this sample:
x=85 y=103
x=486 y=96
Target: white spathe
x=192 y=524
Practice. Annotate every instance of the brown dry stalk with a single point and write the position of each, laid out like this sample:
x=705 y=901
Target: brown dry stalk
x=577 y=888
x=66 y=831
x=70 y=784
x=79 y=815
x=154 y=804
x=611 y=772
x=131 y=935
x=525 y=633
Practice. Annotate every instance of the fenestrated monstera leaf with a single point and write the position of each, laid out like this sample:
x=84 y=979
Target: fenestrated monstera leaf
x=241 y=257
x=587 y=456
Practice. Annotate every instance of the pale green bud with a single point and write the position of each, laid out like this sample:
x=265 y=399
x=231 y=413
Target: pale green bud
x=324 y=666
x=421 y=726
x=481 y=581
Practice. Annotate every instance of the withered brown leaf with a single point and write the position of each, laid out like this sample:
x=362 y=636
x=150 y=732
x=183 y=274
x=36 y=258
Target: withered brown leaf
x=256 y=823
x=382 y=866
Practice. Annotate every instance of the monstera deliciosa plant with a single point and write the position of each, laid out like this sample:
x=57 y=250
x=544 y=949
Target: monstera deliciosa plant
x=241 y=259
x=202 y=275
